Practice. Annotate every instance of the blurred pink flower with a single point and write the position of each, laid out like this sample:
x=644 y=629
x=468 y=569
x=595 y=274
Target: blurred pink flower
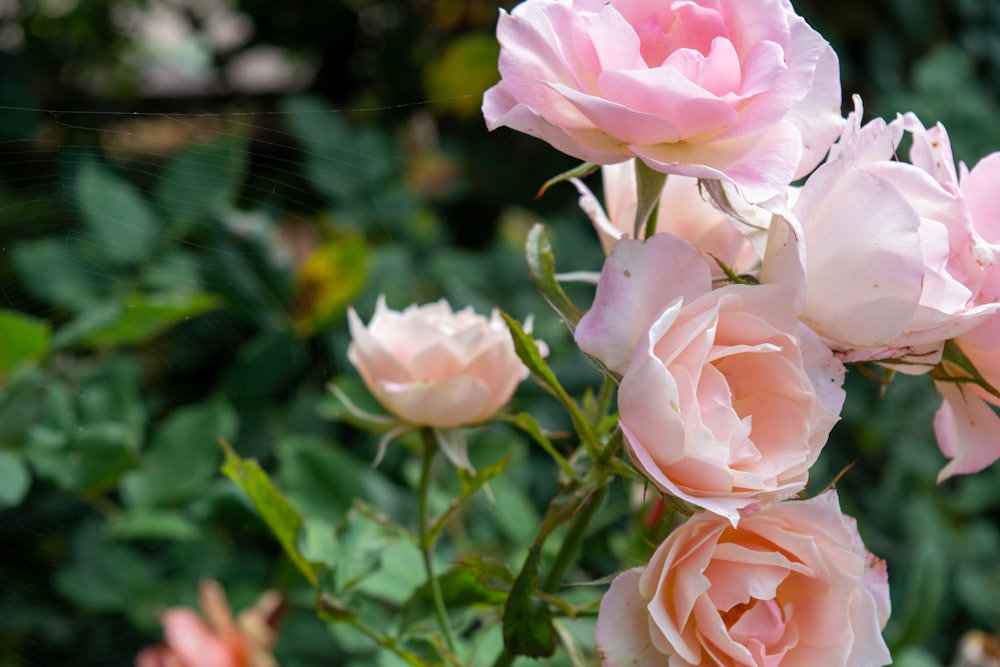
x=216 y=639
x=738 y=90
x=793 y=586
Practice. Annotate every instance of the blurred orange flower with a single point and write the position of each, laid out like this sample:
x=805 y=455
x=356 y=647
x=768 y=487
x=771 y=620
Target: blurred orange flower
x=215 y=638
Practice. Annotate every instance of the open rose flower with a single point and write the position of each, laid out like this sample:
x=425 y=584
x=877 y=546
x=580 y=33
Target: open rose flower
x=879 y=251
x=793 y=586
x=966 y=424
x=683 y=211
x=738 y=90
x=433 y=367
x=217 y=639
x=726 y=400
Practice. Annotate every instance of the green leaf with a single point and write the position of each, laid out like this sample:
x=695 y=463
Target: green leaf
x=460 y=590
x=323 y=480
x=527 y=351
x=490 y=572
x=24 y=339
x=527 y=622
x=53 y=271
x=266 y=366
x=398 y=573
x=182 y=456
x=471 y=482
x=104 y=576
x=363 y=541
x=542 y=266
x=279 y=514
x=14 y=479
x=342 y=162
x=145 y=524
x=93 y=461
x=202 y=180
x=527 y=423
x=21 y=404
x=122 y=227
x=144 y=316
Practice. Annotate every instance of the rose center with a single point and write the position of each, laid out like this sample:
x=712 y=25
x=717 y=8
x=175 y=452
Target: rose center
x=664 y=28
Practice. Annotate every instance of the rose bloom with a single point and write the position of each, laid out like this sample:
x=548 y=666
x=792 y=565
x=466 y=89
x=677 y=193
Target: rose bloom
x=434 y=367
x=739 y=90
x=879 y=251
x=726 y=399
x=793 y=586
x=217 y=640
x=683 y=211
x=966 y=426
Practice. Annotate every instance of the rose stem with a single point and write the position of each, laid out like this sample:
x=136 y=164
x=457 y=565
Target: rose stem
x=426 y=540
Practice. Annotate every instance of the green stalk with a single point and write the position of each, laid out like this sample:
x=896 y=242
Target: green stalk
x=574 y=538
x=427 y=539
x=649 y=184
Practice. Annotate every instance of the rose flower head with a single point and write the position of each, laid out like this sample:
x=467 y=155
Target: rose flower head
x=433 y=367
x=793 y=586
x=216 y=639
x=726 y=400
x=742 y=91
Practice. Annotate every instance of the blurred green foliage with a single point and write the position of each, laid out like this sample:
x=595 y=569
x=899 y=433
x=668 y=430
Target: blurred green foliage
x=180 y=274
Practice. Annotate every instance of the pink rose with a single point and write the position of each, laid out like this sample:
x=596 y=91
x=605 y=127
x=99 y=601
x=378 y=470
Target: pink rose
x=739 y=90
x=725 y=399
x=217 y=640
x=684 y=211
x=434 y=367
x=793 y=586
x=879 y=251
x=639 y=280
x=967 y=425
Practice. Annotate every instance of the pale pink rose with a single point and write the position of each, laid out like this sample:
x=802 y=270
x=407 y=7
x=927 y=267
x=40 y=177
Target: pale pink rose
x=639 y=280
x=879 y=251
x=684 y=211
x=739 y=90
x=793 y=586
x=216 y=640
x=966 y=425
x=433 y=367
x=728 y=399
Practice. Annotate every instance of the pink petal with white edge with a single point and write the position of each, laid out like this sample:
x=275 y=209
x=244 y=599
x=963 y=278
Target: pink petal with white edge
x=966 y=427
x=622 y=633
x=639 y=280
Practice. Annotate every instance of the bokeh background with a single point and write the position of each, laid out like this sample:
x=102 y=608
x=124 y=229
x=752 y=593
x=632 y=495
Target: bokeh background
x=192 y=192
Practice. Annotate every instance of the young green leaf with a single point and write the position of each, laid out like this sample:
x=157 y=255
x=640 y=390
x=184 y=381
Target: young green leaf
x=542 y=266
x=279 y=514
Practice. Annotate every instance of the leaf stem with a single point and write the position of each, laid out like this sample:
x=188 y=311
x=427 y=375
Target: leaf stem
x=427 y=538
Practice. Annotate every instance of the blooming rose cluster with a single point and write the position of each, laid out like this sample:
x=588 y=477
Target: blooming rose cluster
x=788 y=242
